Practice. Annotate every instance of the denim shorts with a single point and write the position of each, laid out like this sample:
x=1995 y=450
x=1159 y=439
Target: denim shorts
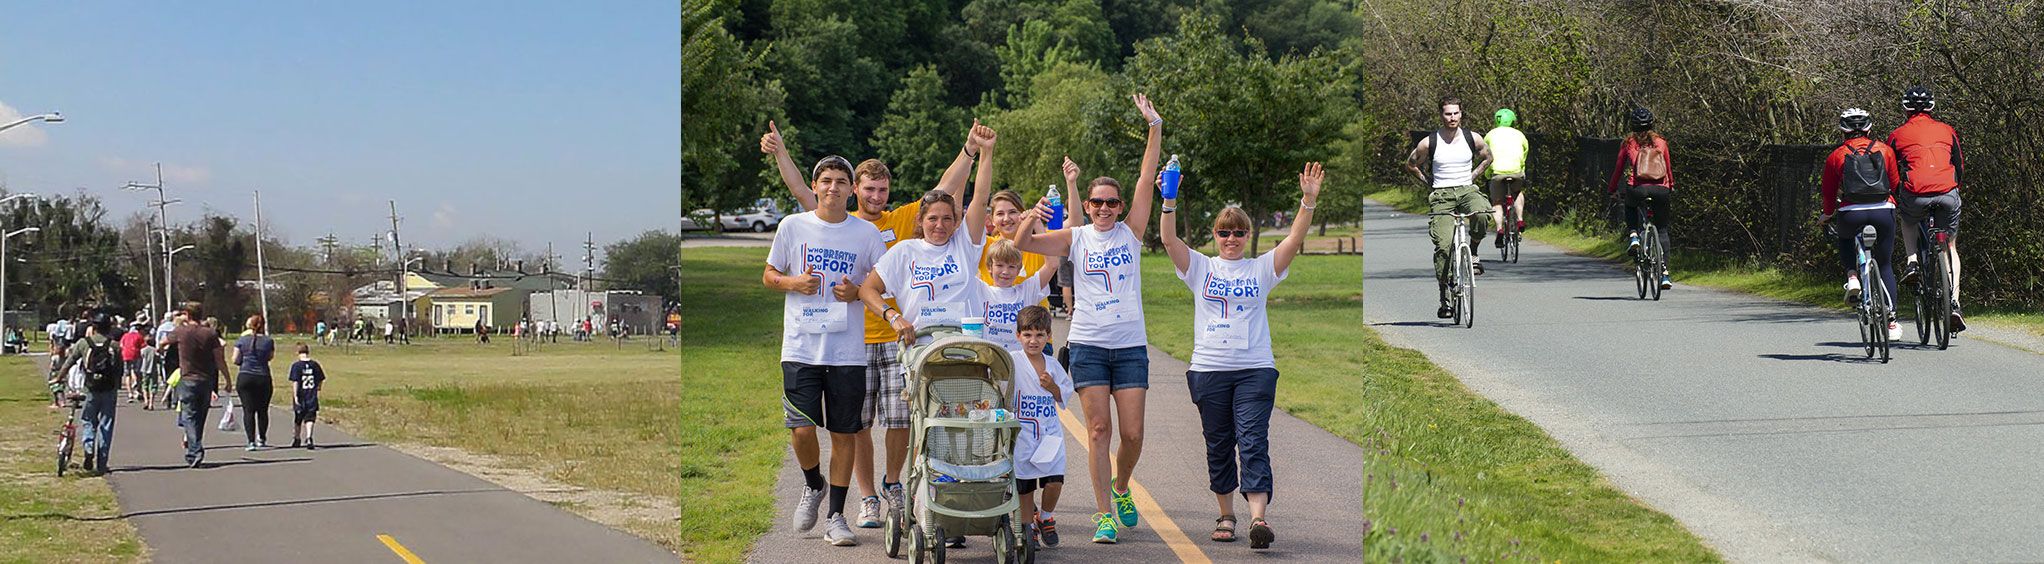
x=1120 y=369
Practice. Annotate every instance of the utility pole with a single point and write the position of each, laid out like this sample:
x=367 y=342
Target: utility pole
x=398 y=252
x=262 y=279
x=588 y=265
x=553 y=290
x=327 y=245
x=163 y=221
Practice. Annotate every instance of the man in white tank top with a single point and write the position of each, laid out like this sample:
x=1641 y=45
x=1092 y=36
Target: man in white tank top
x=1451 y=156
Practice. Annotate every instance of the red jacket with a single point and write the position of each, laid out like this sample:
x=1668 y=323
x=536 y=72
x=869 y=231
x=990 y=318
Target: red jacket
x=1833 y=165
x=1931 y=163
x=1626 y=151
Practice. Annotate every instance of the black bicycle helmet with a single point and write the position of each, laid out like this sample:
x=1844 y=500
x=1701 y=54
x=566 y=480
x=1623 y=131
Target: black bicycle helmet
x=1641 y=119
x=1855 y=119
x=1918 y=99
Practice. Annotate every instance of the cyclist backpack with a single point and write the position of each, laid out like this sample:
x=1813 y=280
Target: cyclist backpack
x=1649 y=163
x=1863 y=178
x=1433 y=139
x=102 y=367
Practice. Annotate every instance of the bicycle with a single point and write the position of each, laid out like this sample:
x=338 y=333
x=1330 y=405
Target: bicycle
x=1509 y=236
x=1652 y=259
x=1875 y=307
x=67 y=436
x=1934 y=302
x=1462 y=289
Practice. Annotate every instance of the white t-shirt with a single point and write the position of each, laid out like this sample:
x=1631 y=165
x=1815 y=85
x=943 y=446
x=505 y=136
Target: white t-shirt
x=1002 y=306
x=932 y=284
x=1230 y=329
x=817 y=329
x=1037 y=410
x=1108 y=286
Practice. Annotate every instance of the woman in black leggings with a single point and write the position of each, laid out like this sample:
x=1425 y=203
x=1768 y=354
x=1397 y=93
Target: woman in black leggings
x=252 y=354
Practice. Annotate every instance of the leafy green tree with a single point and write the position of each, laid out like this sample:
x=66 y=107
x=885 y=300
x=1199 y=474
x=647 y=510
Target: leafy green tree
x=74 y=261
x=645 y=263
x=725 y=101
x=920 y=133
x=220 y=256
x=1077 y=111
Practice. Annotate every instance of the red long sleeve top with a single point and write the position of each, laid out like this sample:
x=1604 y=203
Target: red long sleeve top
x=1623 y=171
x=1834 y=165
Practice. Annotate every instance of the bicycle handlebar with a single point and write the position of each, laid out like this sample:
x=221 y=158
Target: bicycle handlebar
x=1453 y=214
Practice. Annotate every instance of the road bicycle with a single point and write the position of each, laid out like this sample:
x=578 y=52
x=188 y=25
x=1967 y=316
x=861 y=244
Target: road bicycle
x=1461 y=259
x=67 y=436
x=1508 y=234
x=1652 y=259
x=1875 y=308
x=1935 y=286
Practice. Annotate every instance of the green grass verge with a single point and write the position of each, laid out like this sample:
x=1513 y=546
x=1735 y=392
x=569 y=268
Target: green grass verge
x=44 y=518
x=1714 y=271
x=592 y=415
x=730 y=402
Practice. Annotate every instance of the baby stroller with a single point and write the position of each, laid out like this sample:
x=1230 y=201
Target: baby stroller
x=961 y=473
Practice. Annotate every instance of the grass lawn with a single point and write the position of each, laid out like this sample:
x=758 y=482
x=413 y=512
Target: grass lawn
x=1713 y=271
x=44 y=518
x=730 y=402
x=591 y=415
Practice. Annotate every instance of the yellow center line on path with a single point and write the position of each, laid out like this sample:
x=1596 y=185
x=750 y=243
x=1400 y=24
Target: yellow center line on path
x=1146 y=506
x=400 y=549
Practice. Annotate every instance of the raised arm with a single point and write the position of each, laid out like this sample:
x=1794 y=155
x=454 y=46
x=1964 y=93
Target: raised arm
x=772 y=144
x=1138 y=218
x=982 y=184
x=1050 y=244
x=1309 y=196
x=953 y=180
x=1071 y=170
x=1049 y=270
x=1167 y=229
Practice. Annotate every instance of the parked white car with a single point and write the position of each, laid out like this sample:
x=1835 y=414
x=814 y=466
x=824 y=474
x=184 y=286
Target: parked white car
x=762 y=216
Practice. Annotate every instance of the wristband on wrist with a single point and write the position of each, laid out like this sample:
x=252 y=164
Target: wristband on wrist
x=1169 y=209
x=1156 y=122
x=1303 y=204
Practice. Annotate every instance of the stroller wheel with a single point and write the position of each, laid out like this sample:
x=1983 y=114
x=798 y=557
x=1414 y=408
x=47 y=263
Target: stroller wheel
x=893 y=532
x=1004 y=544
x=937 y=546
x=917 y=545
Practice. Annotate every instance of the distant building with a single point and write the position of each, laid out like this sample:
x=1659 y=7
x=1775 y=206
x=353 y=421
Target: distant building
x=456 y=310
x=638 y=311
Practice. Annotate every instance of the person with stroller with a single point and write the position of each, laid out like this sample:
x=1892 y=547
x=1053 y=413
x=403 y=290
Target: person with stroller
x=816 y=260
x=1233 y=377
x=1041 y=387
x=1110 y=359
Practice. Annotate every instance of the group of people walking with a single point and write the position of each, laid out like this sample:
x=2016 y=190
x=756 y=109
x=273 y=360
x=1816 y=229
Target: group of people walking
x=1914 y=174
x=194 y=356
x=933 y=262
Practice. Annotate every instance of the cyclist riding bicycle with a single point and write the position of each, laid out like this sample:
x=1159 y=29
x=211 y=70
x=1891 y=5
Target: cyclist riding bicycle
x=1452 y=155
x=1931 y=168
x=1508 y=150
x=1648 y=170
x=1858 y=190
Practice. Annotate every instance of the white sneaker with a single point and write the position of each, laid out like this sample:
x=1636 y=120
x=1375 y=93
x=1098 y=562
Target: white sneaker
x=894 y=495
x=869 y=513
x=835 y=531
x=1852 y=289
x=806 y=508
x=1894 y=331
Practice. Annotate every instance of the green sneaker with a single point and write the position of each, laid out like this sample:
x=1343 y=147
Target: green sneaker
x=1105 y=533
x=1124 y=507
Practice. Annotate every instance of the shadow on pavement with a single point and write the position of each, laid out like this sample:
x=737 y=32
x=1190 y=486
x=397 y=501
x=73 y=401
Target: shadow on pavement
x=1833 y=357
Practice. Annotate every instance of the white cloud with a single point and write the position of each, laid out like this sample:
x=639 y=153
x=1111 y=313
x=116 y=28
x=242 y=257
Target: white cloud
x=173 y=173
x=443 y=218
x=24 y=135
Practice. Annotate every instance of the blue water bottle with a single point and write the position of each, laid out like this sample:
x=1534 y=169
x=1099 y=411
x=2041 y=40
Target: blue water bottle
x=1057 y=209
x=1171 y=176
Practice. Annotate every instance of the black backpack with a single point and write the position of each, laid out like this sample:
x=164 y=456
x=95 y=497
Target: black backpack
x=102 y=366
x=1433 y=142
x=1863 y=179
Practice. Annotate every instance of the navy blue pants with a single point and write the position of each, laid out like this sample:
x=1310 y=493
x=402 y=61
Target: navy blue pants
x=1234 y=411
x=1849 y=225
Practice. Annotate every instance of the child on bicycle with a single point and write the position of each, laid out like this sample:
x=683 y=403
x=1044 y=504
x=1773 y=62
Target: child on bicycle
x=306 y=379
x=1041 y=385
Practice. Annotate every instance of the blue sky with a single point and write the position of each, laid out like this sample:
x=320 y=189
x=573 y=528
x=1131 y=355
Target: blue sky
x=532 y=122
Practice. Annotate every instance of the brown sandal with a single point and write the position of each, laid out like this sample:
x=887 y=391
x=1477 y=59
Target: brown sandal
x=1224 y=533
x=1260 y=535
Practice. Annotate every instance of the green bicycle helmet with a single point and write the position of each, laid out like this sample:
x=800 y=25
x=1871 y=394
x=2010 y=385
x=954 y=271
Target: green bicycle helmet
x=1505 y=117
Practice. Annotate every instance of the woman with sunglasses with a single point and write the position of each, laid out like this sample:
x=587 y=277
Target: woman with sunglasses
x=1110 y=362
x=1233 y=378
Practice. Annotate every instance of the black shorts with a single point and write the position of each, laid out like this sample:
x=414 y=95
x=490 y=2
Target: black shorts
x=1025 y=485
x=833 y=395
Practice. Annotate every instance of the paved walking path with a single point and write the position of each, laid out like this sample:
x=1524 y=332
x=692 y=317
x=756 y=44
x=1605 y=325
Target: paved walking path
x=1754 y=422
x=1317 y=512
x=341 y=503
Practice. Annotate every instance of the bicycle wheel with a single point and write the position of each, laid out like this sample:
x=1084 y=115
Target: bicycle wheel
x=1657 y=260
x=64 y=445
x=1925 y=304
x=1468 y=300
x=1947 y=288
x=1640 y=266
x=1884 y=312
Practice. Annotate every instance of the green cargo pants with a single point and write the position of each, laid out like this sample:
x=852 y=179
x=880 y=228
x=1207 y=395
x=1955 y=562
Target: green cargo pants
x=1455 y=199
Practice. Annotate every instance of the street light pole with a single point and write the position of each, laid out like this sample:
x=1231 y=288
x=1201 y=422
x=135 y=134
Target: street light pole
x=163 y=219
x=52 y=117
x=3 y=267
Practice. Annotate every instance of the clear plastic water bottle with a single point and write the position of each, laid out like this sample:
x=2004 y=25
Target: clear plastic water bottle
x=1171 y=176
x=1057 y=209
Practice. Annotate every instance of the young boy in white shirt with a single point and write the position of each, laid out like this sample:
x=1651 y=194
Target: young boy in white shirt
x=1041 y=386
x=1009 y=294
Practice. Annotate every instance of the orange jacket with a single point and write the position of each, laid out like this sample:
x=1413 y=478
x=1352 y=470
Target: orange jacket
x=1626 y=151
x=1930 y=158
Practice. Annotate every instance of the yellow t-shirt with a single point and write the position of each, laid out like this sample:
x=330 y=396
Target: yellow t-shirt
x=896 y=225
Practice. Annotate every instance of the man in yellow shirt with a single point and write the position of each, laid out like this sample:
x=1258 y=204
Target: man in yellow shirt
x=884 y=376
x=1508 y=149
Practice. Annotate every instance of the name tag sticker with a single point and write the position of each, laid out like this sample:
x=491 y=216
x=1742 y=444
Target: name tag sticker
x=822 y=318
x=1231 y=335
x=887 y=236
x=1111 y=309
x=940 y=313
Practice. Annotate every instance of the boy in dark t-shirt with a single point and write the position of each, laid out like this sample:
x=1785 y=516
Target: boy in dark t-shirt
x=306 y=379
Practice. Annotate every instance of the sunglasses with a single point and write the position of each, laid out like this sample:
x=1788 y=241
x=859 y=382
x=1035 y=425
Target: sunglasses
x=1108 y=202
x=1236 y=233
